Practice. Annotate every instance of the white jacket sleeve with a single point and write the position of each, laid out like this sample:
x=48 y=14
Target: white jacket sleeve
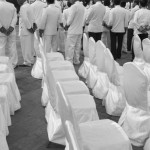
x=14 y=19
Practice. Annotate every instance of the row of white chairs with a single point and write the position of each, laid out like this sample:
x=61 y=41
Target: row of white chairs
x=9 y=98
x=82 y=105
x=103 y=75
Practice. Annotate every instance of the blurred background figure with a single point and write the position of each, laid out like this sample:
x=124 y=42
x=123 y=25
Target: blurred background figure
x=51 y=19
x=135 y=7
x=124 y=43
x=27 y=32
x=37 y=7
x=75 y=31
x=95 y=19
x=8 y=20
x=106 y=31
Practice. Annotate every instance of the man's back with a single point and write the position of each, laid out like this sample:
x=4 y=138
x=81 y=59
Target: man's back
x=50 y=20
x=37 y=7
x=95 y=17
x=76 y=18
x=7 y=12
x=118 y=19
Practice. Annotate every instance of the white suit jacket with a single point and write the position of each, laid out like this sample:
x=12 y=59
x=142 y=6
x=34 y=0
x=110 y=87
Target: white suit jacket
x=37 y=7
x=8 y=15
x=95 y=17
x=51 y=18
x=26 y=18
x=76 y=18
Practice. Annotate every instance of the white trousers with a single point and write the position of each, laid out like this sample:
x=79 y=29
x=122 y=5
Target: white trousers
x=73 y=47
x=8 y=47
x=106 y=39
x=50 y=43
x=27 y=46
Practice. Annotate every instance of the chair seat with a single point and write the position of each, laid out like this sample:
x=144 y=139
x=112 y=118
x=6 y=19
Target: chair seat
x=103 y=135
x=61 y=65
x=84 y=107
x=3 y=142
x=4 y=102
x=67 y=75
x=75 y=87
x=8 y=79
x=54 y=56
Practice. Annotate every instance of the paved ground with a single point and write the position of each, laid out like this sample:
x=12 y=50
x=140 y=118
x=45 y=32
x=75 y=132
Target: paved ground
x=28 y=130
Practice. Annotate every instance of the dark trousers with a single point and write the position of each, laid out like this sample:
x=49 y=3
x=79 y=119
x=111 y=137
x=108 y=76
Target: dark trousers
x=96 y=36
x=116 y=48
x=142 y=37
x=129 y=38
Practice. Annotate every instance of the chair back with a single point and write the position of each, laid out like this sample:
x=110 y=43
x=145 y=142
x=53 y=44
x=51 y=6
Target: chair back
x=66 y=112
x=85 y=45
x=146 y=50
x=48 y=78
x=135 y=84
x=100 y=56
x=137 y=47
x=110 y=67
x=92 y=51
x=71 y=136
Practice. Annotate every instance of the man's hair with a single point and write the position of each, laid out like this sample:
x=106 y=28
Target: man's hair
x=69 y=4
x=123 y=4
x=50 y=1
x=107 y=2
x=136 y=2
x=143 y=3
x=117 y=2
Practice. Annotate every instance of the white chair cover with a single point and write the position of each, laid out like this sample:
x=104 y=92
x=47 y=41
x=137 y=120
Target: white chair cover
x=92 y=76
x=101 y=87
x=3 y=124
x=147 y=144
x=36 y=71
x=4 y=102
x=135 y=119
x=115 y=100
x=8 y=79
x=3 y=142
x=92 y=51
x=101 y=134
x=110 y=68
x=100 y=56
x=4 y=68
x=138 y=60
x=84 y=69
x=146 y=54
x=71 y=139
x=85 y=47
x=6 y=60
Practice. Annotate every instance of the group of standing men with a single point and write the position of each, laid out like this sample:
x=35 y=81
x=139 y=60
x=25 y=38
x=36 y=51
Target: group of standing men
x=47 y=18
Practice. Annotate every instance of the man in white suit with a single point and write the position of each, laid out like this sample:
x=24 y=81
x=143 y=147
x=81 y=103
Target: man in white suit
x=75 y=23
x=51 y=18
x=27 y=33
x=8 y=19
x=95 y=19
x=37 y=7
